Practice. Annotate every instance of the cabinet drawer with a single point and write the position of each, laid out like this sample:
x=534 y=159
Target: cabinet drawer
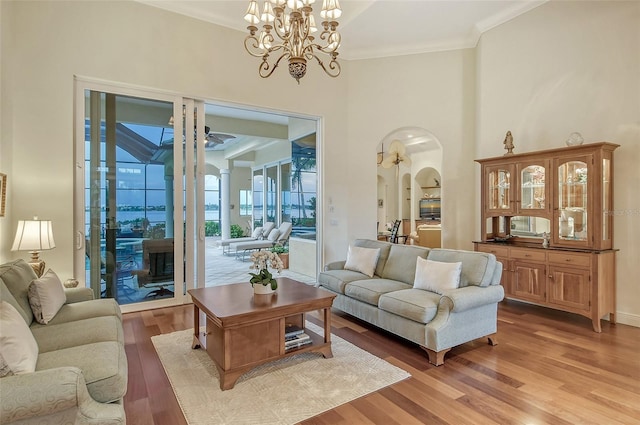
x=528 y=254
x=569 y=259
x=498 y=251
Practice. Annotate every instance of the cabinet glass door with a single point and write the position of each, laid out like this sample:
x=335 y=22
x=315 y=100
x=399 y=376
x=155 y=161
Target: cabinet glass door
x=607 y=205
x=499 y=187
x=572 y=201
x=532 y=188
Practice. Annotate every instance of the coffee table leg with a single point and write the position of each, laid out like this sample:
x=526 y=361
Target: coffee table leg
x=326 y=351
x=196 y=327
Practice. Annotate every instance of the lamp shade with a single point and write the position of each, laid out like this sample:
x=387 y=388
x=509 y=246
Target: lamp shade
x=33 y=235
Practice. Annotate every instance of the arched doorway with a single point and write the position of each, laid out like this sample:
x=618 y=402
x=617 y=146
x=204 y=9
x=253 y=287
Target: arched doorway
x=410 y=176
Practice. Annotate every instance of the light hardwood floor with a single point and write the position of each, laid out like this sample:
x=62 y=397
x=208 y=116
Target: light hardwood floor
x=548 y=368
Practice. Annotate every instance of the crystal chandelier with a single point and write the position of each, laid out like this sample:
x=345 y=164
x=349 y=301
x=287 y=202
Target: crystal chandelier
x=293 y=24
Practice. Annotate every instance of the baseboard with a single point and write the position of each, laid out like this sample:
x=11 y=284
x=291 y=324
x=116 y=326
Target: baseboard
x=628 y=319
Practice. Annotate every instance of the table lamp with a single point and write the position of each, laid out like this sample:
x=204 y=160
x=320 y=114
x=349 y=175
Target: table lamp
x=34 y=236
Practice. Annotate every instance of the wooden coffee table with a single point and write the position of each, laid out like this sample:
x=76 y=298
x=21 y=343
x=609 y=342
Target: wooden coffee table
x=245 y=330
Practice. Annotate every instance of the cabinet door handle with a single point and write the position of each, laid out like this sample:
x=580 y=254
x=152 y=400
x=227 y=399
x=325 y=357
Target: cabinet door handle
x=527 y=255
x=568 y=260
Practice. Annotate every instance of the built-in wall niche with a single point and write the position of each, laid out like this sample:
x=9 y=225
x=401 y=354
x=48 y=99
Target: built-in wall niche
x=427 y=194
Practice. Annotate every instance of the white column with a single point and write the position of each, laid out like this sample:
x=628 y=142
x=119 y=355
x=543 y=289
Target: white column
x=225 y=211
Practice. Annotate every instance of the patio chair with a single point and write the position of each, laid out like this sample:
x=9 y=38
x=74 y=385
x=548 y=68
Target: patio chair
x=258 y=233
x=157 y=258
x=279 y=236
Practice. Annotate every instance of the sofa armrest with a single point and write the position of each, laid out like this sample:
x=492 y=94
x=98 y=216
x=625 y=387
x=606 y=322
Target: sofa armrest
x=335 y=265
x=75 y=295
x=469 y=297
x=52 y=391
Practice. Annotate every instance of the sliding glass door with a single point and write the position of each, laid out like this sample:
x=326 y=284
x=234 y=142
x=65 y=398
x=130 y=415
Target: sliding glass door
x=134 y=236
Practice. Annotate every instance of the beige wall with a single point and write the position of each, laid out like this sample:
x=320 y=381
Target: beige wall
x=562 y=67
x=565 y=67
x=130 y=43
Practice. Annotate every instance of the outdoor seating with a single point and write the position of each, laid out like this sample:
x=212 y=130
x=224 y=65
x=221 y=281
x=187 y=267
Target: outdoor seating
x=158 y=271
x=279 y=236
x=258 y=234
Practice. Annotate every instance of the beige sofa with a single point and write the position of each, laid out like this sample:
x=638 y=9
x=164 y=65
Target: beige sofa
x=435 y=321
x=81 y=372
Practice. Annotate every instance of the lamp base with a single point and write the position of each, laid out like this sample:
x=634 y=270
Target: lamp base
x=38 y=267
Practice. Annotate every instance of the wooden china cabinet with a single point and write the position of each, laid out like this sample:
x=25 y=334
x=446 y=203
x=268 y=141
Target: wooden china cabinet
x=563 y=194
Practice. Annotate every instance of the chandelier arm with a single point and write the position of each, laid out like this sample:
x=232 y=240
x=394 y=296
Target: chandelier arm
x=334 y=68
x=265 y=69
x=252 y=46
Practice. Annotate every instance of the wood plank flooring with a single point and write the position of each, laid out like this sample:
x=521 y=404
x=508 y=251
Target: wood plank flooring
x=548 y=368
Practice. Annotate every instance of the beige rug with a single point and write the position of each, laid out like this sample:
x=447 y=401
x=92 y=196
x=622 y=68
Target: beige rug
x=286 y=391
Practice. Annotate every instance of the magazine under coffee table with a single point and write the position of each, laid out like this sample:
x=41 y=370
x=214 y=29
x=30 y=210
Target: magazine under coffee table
x=246 y=330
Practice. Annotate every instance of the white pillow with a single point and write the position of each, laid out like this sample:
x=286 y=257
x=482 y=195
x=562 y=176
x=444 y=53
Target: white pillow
x=273 y=235
x=17 y=344
x=437 y=276
x=257 y=232
x=46 y=297
x=362 y=260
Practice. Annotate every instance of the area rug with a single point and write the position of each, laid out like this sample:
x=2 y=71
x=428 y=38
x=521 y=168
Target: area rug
x=285 y=391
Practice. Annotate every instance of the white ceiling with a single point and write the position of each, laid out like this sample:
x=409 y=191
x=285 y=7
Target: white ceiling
x=372 y=29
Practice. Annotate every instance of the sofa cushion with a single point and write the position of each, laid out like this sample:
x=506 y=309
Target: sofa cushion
x=477 y=267
x=17 y=275
x=103 y=365
x=85 y=310
x=401 y=264
x=71 y=334
x=17 y=344
x=413 y=304
x=437 y=276
x=6 y=295
x=384 y=251
x=46 y=297
x=335 y=280
x=363 y=260
x=370 y=290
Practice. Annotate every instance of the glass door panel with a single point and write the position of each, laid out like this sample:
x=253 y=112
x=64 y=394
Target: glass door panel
x=128 y=187
x=285 y=189
x=499 y=196
x=532 y=188
x=258 y=201
x=572 y=200
x=607 y=207
x=272 y=192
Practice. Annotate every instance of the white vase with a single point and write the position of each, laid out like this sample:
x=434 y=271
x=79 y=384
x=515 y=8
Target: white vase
x=259 y=288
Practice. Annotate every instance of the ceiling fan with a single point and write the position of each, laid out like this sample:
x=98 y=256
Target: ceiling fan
x=396 y=155
x=214 y=139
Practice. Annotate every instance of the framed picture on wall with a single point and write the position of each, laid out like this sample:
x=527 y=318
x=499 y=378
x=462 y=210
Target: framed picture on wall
x=3 y=193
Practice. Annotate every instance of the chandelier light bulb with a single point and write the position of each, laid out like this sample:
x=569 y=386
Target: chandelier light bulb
x=312 y=24
x=252 y=13
x=267 y=13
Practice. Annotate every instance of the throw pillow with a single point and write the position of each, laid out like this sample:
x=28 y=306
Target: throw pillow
x=257 y=233
x=273 y=235
x=46 y=297
x=362 y=260
x=437 y=276
x=17 y=344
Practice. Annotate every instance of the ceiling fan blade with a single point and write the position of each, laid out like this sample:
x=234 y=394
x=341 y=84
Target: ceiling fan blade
x=397 y=147
x=389 y=161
